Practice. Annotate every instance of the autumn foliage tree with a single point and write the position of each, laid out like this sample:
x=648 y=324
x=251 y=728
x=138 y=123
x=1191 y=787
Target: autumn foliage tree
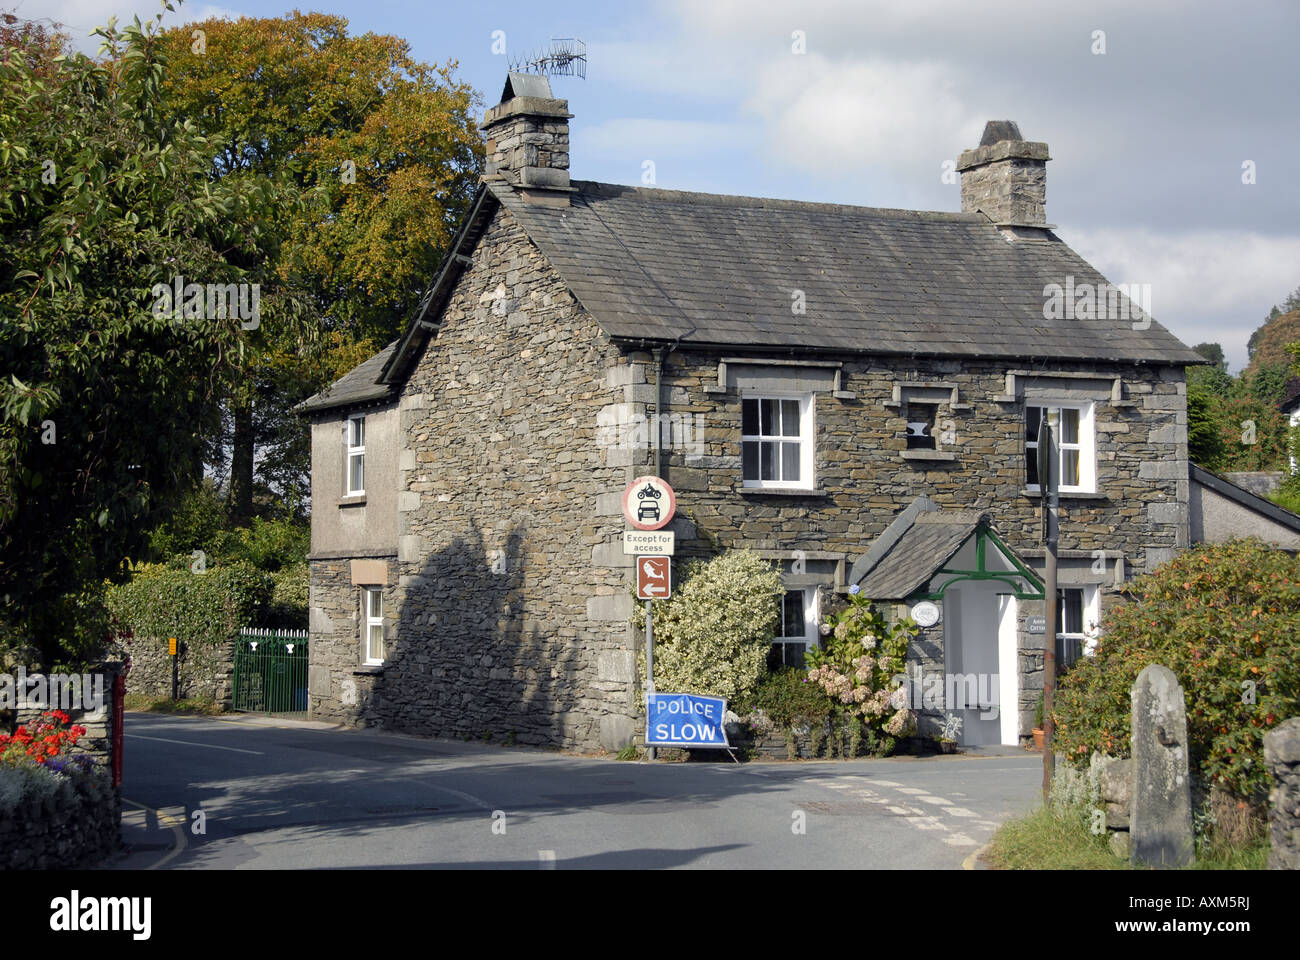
x=383 y=154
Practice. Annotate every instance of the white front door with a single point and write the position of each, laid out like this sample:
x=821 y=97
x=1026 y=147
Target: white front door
x=980 y=661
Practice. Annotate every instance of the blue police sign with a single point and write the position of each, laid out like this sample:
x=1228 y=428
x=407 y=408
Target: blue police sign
x=685 y=720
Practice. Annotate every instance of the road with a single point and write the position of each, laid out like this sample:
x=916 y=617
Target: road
x=285 y=795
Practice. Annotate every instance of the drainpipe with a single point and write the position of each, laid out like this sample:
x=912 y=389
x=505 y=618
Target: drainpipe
x=659 y=425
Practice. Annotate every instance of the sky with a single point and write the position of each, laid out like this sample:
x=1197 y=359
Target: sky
x=1151 y=140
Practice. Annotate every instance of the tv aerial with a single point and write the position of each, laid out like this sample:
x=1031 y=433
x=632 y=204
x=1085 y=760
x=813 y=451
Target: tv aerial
x=565 y=57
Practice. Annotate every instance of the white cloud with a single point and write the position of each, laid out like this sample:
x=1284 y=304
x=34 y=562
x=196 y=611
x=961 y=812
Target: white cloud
x=1207 y=285
x=80 y=17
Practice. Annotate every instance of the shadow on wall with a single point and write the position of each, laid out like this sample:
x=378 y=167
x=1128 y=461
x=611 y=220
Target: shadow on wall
x=476 y=652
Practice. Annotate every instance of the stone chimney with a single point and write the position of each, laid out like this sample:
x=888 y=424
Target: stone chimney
x=528 y=139
x=1005 y=177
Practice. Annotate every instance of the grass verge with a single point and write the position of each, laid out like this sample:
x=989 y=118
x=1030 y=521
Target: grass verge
x=1044 y=840
x=184 y=708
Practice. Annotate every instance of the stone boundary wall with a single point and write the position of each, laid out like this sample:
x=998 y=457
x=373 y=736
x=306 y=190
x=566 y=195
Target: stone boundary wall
x=1282 y=755
x=77 y=826
x=80 y=824
x=205 y=673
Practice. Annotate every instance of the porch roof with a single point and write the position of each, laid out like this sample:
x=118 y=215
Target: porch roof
x=918 y=545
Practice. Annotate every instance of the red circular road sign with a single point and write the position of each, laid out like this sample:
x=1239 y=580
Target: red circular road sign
x=649 y=503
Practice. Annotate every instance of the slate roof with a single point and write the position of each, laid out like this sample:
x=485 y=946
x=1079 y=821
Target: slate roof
x=358 y=385
x=717 y=270
x=720 y=270
x=911 y=549
x=1239 y=494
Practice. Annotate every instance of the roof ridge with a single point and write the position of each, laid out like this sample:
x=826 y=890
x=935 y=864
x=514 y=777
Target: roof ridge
x=597 y=188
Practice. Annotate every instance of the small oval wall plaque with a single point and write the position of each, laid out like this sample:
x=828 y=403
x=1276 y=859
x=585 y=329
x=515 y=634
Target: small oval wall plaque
x=925 y=613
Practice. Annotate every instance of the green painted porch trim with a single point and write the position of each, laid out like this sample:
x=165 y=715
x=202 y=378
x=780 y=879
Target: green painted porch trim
x=982 y=535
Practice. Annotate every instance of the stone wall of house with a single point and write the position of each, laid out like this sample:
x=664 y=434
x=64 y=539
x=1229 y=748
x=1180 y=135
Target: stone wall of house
x=341 y=687
x=507 y=616
x=1137 y=520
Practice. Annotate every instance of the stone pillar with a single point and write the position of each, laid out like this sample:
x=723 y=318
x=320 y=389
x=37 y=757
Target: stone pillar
x=1282 y=755
x=1161 y=815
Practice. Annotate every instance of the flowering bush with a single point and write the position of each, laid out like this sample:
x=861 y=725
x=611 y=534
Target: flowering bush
x=1223 y=618
x=47 y=745
x=856 y=666
x=712 y=637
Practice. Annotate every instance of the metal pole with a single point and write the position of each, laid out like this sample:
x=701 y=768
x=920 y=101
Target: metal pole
x=649 y=668
x=175 y=657
x=1051 y=482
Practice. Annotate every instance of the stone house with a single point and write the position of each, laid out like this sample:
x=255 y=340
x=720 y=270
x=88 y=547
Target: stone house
x=850 y=392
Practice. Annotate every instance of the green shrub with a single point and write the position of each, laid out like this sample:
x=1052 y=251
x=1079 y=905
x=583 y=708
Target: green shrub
x=788 y=699
x=712 y=636
x=289 y=598
x=1223 y=618
x=206 y=609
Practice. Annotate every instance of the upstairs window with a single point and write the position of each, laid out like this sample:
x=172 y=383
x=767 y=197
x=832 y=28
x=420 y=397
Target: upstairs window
x=1076 y=462
x=356 y=467
x=920 y=425
x=776 y=442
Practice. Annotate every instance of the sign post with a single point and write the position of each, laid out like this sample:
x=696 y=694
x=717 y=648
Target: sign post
x=1048 y=480
x=649 y=504
x=173 y=648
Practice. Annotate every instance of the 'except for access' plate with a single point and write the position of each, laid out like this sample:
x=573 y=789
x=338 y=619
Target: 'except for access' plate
x=654 y=542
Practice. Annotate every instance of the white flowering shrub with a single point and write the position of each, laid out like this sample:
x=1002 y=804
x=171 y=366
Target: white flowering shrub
x=856 y=667
x=712 y=637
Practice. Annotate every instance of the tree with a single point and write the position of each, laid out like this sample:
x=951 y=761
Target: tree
x=1214 y=353
x=383 y=151
x=104 y=200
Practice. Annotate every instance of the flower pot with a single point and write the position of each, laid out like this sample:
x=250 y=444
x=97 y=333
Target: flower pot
x=946 y=746
x=1038 y=738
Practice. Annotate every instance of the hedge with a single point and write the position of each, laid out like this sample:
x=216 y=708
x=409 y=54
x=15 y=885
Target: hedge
x=198 y=608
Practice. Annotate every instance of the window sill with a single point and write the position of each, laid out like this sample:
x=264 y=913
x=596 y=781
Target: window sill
x=356 y=500
x=1066 y=495
x=368 y=669
x=944 y=456
x=783 y=492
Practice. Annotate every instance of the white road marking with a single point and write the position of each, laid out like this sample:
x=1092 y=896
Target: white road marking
x=938 y=801
x=191 y=743
x=960 y=812
x=546 y=859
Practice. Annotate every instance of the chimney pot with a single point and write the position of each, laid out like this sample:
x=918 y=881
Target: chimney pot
x=528 y=136
x=1005 y=177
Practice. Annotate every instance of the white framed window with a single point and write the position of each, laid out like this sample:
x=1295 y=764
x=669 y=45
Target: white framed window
x=776 y=441
x=372 y=599
x=1077 y=461
x=796 y=629
x=356 y=466
x=1077 y=619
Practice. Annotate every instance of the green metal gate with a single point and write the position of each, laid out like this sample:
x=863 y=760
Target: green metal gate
x=271 y=671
